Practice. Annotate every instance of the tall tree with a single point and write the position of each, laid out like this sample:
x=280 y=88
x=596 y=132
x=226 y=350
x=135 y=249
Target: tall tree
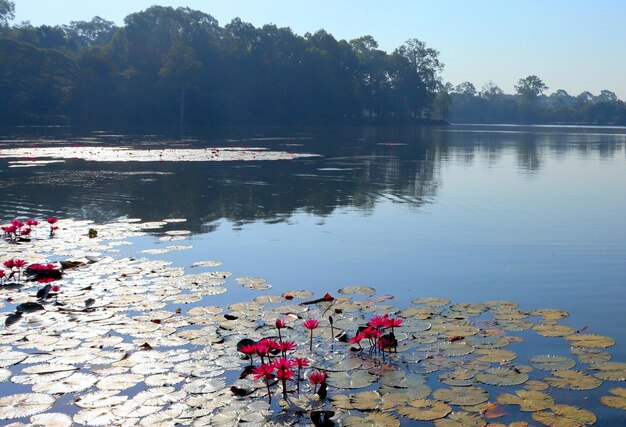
x=425 y=60
x=96 y=32
x=530 y=87
x=7 y=12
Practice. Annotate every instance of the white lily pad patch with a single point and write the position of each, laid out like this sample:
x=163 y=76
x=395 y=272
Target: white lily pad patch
x=41 y=155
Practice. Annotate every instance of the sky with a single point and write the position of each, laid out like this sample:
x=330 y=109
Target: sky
x=575 y=45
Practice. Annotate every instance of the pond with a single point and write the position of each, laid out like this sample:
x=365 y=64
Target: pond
x=529 y=214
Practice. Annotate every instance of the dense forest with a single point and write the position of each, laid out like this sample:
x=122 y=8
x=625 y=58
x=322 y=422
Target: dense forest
x=173 y=66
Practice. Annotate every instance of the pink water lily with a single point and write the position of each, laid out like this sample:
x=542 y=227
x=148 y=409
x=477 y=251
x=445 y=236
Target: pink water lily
x=311 y=324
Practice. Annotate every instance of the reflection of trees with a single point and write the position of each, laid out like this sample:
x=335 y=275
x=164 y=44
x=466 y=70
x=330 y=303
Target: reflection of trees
x=528 y=156
x=360 y=168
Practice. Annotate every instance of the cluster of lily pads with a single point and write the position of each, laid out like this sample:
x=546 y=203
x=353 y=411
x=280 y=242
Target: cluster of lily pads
x=136 y=341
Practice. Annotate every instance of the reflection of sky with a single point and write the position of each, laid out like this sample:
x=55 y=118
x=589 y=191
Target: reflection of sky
x=479 y=40
x=550 y=239
x=533 y=218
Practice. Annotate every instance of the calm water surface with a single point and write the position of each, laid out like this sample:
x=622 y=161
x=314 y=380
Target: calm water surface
x=536 y=215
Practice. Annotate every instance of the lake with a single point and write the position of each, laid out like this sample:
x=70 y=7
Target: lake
x=530 y=214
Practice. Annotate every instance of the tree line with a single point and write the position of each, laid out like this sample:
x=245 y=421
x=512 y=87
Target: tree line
x=169 y=65
x=464 y=104
x=179 y=66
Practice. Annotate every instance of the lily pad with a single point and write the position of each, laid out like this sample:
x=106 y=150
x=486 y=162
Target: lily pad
x=590 y=340
x=357 y=290
x=565 y=416
x=425 y=410
x=24 y=405
x=609 y=371
x=374 y=419
x=552 y=363
x=502 y=377
x=529 y=401
x=462 y=396
x=495 y=355
x=460 y=419
x=402 y=379
x=618 y=400
x=573 y=380
x=355 y=379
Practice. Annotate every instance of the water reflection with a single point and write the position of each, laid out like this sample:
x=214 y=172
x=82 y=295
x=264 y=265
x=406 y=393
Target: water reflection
x=359 y=168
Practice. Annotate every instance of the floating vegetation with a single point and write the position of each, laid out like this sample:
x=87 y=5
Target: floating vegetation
x=95 y=339
x=38 y=156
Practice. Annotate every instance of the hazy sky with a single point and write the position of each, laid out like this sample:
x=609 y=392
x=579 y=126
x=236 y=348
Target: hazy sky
x=574 y=45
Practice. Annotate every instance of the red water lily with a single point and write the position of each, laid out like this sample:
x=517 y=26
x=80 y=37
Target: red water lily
x=372 y=333
x=271 y=344
x=378 y=321
x=55 y=288
x=317 y=378
x=300 y=362
x=32 y=222
x=357 y=339
x=41 y=267
x=249 y=350
x=265 y=371
x=393 y=322
x=285 y=375
x=384 y=344
x=284 y=372
x=19 y=263
x=283 y=363
x=286 y=346
x=25 y=232
x=2 y=274
x=311 y=324
x=53 y=228
x=9 y=263
x=280 y=324
x=262 y=350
